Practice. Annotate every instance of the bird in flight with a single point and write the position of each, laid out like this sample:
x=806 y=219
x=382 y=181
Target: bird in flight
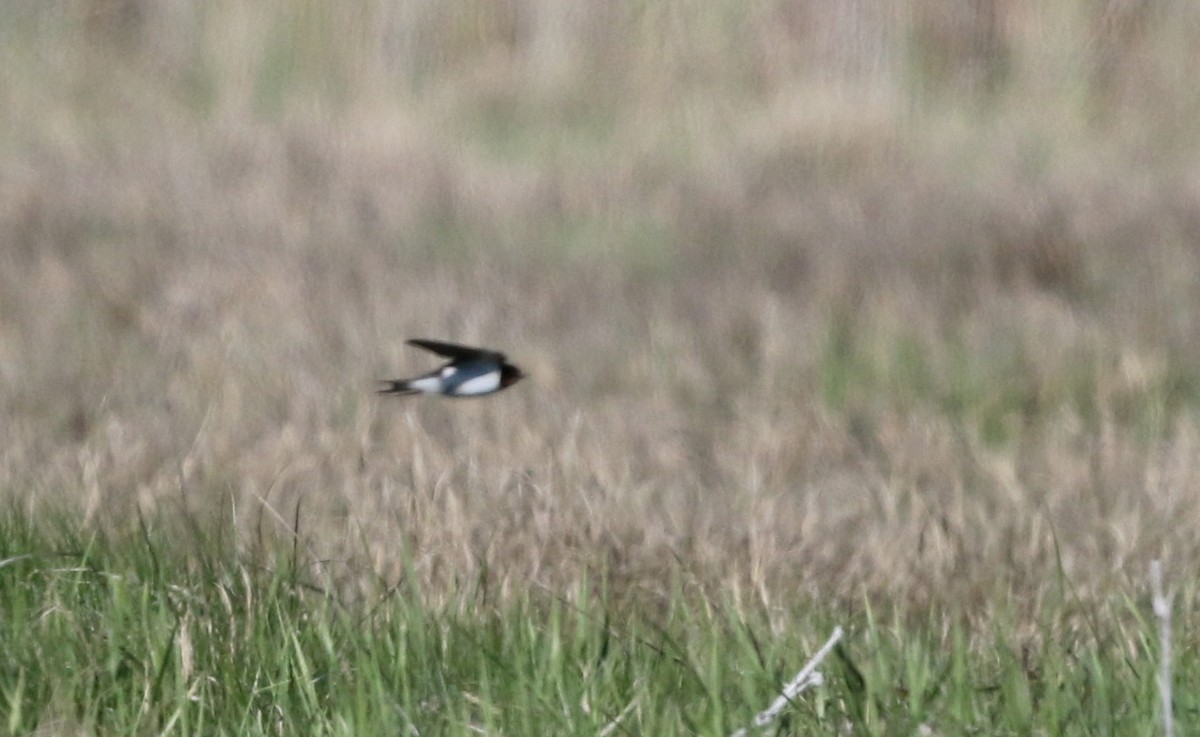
x=471 y=372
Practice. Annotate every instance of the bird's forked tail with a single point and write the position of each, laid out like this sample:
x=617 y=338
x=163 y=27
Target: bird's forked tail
x=399 y=387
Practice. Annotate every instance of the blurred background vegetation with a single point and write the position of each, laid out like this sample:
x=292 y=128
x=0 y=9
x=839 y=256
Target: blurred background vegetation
x=896 y=297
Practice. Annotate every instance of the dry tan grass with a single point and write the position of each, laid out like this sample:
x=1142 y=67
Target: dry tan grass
x=798 y=323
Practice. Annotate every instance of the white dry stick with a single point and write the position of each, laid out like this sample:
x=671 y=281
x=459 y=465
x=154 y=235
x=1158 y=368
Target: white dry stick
x=15 y=559
x=1162 y=610
x=614 y=724
x=808 y=676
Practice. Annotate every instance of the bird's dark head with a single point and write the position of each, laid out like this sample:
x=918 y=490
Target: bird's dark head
x=509 y=375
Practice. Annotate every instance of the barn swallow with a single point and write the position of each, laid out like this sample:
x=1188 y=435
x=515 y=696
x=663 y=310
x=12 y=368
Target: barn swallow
x=472 y=372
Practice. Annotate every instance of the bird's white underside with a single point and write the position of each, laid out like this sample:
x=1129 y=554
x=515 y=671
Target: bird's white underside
x=426 y=384
x=483 y=384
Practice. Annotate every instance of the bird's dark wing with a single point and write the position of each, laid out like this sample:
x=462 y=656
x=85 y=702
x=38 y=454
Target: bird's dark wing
x=457 y=352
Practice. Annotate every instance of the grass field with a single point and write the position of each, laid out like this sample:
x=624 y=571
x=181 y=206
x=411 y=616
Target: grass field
x=140 y=637
x=881 y=315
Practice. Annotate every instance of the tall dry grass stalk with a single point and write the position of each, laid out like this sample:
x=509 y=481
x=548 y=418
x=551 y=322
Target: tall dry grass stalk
x=914 y=319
